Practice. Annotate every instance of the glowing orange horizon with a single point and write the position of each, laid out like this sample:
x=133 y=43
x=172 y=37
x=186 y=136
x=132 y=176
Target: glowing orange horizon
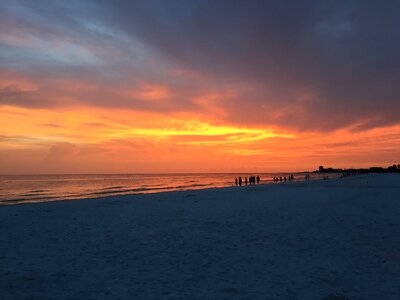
x=90 y=140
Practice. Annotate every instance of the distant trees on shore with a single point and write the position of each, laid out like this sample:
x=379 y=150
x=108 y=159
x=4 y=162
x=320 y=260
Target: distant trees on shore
x=390 y=169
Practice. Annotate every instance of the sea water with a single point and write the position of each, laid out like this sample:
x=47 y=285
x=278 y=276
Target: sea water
x=16 y=189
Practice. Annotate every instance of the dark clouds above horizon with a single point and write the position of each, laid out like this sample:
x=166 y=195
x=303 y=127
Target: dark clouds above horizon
x=308 y=65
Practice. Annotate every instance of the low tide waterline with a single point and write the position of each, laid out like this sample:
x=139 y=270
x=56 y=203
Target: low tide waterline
x=17 y=189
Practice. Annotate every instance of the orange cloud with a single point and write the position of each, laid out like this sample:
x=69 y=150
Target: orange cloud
x=87 y=139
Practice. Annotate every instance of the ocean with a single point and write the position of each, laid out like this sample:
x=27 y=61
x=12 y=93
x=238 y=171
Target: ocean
x=17 y=189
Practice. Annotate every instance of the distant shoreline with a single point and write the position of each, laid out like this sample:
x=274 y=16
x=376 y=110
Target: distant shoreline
x=21 y=189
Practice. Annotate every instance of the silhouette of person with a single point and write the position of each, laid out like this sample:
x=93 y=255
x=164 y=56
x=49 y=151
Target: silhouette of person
x=245 y=180
x=258 y=179
x=280 y=178
x=236 y=181
x=240 y=181
x=284 y=178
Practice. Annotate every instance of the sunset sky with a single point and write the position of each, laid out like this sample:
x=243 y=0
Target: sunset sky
x=96 y=86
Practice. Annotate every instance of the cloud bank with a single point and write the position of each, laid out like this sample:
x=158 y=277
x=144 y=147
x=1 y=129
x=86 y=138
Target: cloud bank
x=307 y=65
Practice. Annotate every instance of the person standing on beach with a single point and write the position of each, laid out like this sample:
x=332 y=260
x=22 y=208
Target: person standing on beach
x=240 y=181
x=245 y=180
x=236 y=181
x=258 y=179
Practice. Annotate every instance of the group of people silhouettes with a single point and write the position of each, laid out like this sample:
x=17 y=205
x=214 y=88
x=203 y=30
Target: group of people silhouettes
x=284 y=179
x=245 y=181
x=256 y=179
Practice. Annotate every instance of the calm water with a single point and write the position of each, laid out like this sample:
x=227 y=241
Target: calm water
x=16 y=189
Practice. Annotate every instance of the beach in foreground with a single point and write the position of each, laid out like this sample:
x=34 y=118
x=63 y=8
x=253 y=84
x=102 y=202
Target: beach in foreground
x=333 y=239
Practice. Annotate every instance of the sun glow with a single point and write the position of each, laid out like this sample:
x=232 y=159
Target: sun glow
x=194 y=128
x=102 y=140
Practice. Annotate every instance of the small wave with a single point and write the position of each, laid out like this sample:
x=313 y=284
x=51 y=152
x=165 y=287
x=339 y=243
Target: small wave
x=193 y=185
x=141 y=189
x=13 y=200
x=150 y=185
x=107 y=192
x=34 y=194
x=113 y=187
x=28 y=199
x=39 y=191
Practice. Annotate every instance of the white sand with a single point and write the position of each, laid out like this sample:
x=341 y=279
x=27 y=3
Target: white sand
x=335 y=239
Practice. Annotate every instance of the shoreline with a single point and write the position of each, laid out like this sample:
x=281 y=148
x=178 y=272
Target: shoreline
x=150 y=191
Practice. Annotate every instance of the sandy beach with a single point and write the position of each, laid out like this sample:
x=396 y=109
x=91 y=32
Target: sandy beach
x=332 y=239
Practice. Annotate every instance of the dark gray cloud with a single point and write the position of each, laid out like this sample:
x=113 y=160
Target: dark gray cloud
x=305 y=64
x=345 y=53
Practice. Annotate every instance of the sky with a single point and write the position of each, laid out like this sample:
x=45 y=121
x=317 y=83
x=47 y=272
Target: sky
x=148 y=86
